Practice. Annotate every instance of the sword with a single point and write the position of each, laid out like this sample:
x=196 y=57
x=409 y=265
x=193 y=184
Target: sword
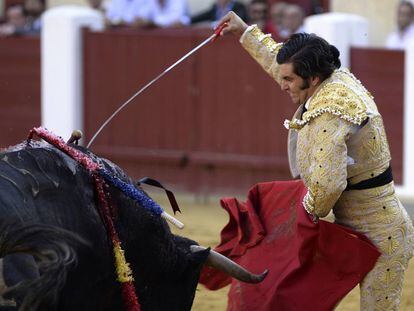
x=212 y=38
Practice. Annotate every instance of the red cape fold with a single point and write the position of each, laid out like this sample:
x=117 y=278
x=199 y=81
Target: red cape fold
x=312 y=265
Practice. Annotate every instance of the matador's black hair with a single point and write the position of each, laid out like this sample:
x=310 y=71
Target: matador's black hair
x=310 y=55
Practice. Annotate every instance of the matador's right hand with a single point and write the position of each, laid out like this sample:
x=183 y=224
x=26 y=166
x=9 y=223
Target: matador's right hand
x=235 y=24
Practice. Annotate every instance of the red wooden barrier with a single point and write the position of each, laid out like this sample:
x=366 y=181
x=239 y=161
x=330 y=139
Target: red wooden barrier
x=215 y=122
x=19 y=88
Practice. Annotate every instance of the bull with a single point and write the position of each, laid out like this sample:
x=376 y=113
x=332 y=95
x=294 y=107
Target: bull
x=55 y=249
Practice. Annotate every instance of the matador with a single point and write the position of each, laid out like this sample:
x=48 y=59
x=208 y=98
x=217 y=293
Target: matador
x=338 y=147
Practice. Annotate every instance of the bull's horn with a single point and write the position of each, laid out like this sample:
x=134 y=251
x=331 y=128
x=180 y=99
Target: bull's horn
x=222 y=263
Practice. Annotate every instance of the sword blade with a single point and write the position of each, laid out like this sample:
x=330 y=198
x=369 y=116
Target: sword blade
x=148 y=85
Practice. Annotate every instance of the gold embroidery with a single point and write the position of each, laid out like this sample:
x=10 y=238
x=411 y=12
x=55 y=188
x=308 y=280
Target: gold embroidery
x=370 y=148
x=333 y=147
x=377 y=213
x=336 y=99
x=324 y=143
x=349 y=78
x=255 y=31
x=265 y=40
x=388 y=274
x=263 y=49
x=271 y=44
x=321 y=154
x=309 y=203
x=390 y=245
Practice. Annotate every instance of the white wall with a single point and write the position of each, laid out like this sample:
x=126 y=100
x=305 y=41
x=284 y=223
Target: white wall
x=380 y=14
x=340 y=29
x=62 y=67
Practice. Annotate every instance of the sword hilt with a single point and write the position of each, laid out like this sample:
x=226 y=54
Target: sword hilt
x=218 y=31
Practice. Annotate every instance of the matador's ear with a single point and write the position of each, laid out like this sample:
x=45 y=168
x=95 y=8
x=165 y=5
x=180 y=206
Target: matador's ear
x=315 y=80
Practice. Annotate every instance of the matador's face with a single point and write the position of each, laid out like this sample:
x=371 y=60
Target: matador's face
x=299 y=89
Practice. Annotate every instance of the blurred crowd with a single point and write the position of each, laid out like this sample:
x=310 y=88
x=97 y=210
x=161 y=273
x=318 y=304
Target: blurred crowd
x=279 y=18
x=405 y=27
x=23 y=19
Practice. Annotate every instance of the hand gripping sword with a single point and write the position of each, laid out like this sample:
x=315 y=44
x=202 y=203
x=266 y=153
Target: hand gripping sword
x=212 y=38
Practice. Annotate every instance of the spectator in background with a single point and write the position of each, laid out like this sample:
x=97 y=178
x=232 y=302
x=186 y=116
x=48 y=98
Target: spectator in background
x=15 y=21
x=405 y=24
x=98 y=5
x=33 y=9
x=277 y=11
x=162 y=13
x=220 y=9
x=124 y=12
x=292 y=21
x=258 y=11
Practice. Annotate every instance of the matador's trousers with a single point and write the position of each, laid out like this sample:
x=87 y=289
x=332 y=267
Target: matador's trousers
x=380 y=216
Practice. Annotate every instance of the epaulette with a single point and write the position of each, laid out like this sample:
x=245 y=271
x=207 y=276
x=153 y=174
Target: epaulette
x=334 y=98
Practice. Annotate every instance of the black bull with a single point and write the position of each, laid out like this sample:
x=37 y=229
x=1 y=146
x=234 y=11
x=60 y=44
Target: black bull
x=50 y=221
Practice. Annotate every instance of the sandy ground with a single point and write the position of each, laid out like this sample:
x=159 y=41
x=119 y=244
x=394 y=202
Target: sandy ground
x=203 y=223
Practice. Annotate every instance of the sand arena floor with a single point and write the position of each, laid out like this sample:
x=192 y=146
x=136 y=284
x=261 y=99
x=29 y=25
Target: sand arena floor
x=203 y=223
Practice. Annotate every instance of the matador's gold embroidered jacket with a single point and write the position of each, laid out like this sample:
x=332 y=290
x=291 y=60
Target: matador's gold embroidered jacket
x=341 y=148
x=341 y=139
